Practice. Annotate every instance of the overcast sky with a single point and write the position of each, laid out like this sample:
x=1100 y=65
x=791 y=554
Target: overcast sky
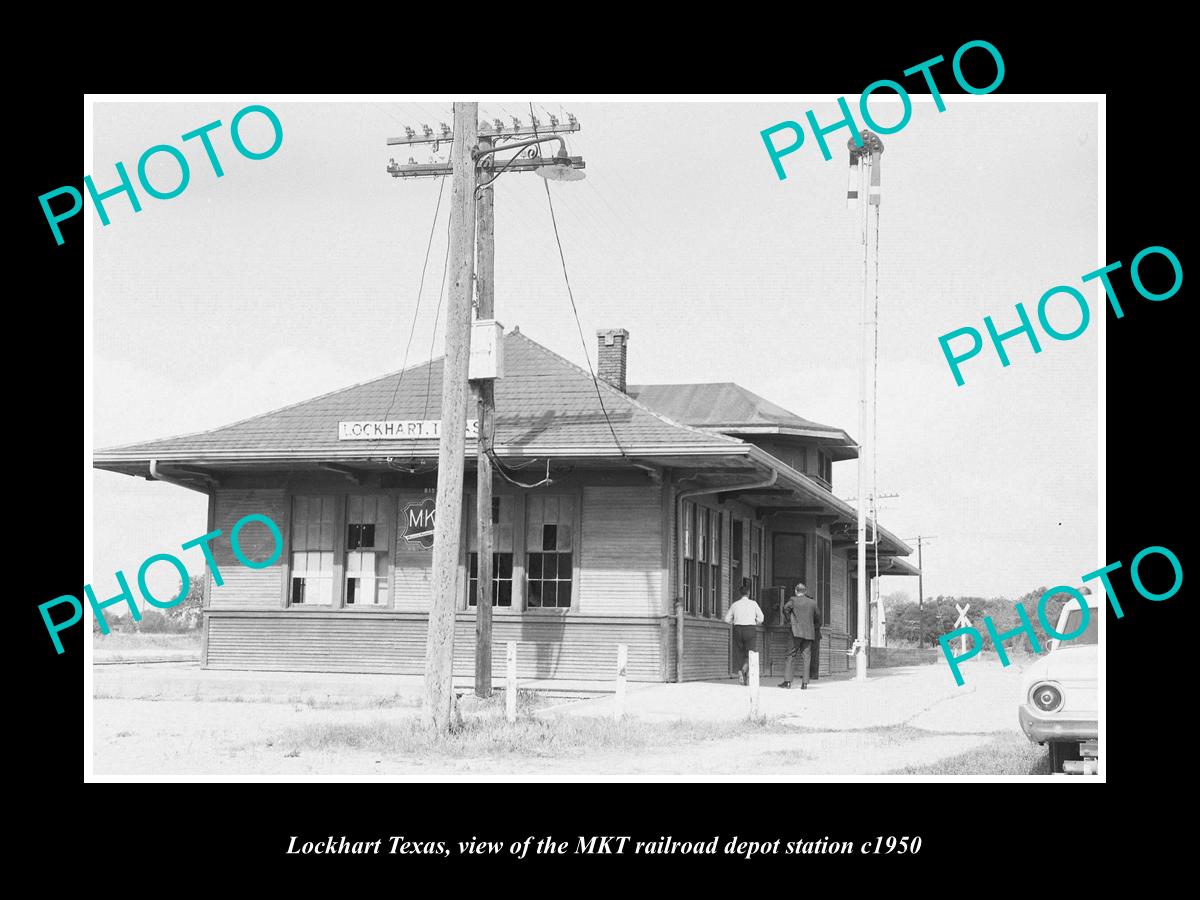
x=296 y=275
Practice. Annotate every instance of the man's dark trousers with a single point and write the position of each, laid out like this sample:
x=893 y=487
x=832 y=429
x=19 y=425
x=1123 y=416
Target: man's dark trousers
x=801 y=648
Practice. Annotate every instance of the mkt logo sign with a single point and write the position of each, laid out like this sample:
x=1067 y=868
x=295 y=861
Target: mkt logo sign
x=416 y=524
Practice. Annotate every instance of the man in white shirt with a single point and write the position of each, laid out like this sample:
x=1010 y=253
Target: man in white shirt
x=745 y=616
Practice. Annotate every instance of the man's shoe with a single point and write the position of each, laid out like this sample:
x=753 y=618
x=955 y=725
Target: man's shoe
x=785 y=684
x=804 y=686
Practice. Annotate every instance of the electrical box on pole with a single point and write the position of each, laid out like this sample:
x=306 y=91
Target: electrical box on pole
x=487 y=350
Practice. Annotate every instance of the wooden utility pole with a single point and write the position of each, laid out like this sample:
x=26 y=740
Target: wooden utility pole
x=486 y=403
x=476 y=181
x=921 y=587
x=439 y=646
x=920 y=539
x=920 y=596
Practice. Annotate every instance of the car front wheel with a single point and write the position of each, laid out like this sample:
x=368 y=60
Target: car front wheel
x=1061 y=752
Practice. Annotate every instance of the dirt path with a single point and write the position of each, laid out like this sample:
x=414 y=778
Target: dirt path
x=178 y=721
x=220 y=738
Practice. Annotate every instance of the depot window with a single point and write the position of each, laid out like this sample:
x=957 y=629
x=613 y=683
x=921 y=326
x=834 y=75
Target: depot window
x=550 y=551
x=502 y=551
x=339 y=554
x=824 y=577
x=689 y=577
x=367 y=521
x=312 y=551
x=712 y=603
x=756 y=545
x=825 y=468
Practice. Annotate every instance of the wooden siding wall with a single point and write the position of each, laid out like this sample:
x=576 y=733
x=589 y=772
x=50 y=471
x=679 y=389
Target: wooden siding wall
x=705 y=649
x=247 y=588
x=774 y=644
x=621 y=564
x=626 y=584
x=412 y=567
x=705 y=641
x=833 y=654
x=556 y=647
x=786 y=449
x=708 y=657
x=385 y=642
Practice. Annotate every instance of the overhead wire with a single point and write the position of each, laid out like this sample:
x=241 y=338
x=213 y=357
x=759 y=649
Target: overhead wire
x=420 y=288
x=388 y=112
x=435 y=118
x=412 y=470
x=436 y=316
x=575 y=310
x=503 y=471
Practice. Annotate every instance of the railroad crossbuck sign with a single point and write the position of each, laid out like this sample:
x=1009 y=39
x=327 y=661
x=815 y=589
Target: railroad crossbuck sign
x=962 y=622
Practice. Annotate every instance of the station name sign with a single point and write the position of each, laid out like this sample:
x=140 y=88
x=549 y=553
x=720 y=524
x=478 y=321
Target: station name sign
x=398 y=428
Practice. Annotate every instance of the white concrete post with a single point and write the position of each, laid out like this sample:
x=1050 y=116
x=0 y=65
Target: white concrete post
x=753 y=679
x=510 y=682
x=619 y=695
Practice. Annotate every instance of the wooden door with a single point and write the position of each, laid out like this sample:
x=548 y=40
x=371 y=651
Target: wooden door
x=788 y=561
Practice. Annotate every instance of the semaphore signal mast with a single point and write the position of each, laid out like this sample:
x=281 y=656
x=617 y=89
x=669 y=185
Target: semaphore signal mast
x=865 y=151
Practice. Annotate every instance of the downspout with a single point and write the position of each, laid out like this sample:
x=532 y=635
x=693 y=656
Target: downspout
x=679 y=608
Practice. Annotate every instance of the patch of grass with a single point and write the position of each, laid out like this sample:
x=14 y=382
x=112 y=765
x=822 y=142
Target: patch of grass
x=896 y=734
x=388 y=701
x=383 y=701
x=790 y=756
x=529 y=736
x=116 y=642
x=528 y=702
x=1005 y=754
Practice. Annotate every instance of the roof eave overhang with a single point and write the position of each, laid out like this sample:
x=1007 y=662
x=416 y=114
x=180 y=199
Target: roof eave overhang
x=123 y=462
x=817 y=492
x=796 y=430
x=119 y=460
x=846 y=446
x=891 y=565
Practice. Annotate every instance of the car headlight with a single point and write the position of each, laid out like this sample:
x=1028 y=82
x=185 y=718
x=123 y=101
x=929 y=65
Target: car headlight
x=1046 y=696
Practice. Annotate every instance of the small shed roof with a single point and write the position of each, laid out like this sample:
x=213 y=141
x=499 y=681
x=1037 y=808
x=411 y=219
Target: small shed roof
x=730 y=408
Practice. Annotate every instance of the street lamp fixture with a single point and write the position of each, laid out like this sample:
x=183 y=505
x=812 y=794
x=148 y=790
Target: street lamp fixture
x=560 y=171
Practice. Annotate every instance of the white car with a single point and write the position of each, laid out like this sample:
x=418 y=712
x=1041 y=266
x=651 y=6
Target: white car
x=1058 y=698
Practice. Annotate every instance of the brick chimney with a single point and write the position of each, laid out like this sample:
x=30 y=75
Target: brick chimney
x=610 y=361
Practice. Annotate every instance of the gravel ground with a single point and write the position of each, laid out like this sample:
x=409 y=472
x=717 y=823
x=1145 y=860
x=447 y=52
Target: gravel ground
x=838 y=728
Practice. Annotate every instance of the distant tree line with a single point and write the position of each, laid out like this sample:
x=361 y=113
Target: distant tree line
x=181 y=618
x=905 y=623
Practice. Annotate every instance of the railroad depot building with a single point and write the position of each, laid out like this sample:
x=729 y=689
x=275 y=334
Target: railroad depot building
x=702 y=486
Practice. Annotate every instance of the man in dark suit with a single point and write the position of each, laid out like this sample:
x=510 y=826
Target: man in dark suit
x=805 y=618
